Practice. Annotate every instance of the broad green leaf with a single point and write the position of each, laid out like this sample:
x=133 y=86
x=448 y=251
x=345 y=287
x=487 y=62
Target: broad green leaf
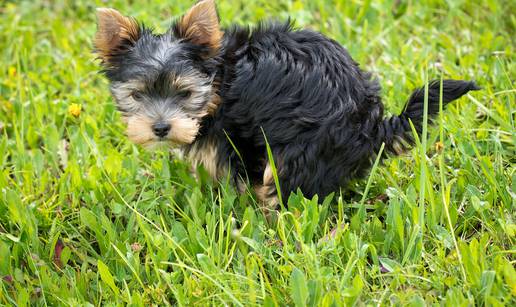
x=106 y=276
x=298 y=287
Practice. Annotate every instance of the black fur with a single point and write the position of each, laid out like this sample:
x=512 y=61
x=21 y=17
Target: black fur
x=322 y=115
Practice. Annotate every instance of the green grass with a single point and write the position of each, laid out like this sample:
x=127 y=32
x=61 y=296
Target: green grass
x=87 y=218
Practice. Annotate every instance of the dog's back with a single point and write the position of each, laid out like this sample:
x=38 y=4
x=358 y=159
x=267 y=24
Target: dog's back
x=315 y=106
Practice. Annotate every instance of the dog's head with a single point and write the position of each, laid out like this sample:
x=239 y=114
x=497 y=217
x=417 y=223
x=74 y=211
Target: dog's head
x=163 y=83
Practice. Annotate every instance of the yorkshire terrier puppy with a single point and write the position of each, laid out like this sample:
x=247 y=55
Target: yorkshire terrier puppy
x=218 y=95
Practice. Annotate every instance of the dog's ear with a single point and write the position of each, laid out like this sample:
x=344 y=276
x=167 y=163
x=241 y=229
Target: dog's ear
x=115 y=33
x=200 y=25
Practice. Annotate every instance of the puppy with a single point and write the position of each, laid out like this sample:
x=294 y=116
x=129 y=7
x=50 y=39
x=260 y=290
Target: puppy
x=221 y=95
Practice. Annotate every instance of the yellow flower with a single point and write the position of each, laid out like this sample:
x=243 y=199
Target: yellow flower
x=75 y=109
x=12 y=71
x=439 y=146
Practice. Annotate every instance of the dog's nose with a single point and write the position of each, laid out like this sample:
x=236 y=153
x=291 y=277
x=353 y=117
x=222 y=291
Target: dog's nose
x=161 y=129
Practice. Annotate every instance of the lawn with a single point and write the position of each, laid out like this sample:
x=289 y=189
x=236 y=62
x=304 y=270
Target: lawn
x=87 y=218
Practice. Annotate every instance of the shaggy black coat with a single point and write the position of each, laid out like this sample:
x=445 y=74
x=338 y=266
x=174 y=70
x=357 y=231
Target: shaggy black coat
x=321 y=114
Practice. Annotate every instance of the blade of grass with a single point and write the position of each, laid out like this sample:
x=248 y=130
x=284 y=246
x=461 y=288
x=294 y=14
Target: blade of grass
x=446 y=187
x=423 y=170
x=274 y=170
x=362 y=210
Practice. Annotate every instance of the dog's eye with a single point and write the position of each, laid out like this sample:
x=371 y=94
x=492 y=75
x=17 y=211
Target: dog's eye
x=137 y=95
x=184 y=93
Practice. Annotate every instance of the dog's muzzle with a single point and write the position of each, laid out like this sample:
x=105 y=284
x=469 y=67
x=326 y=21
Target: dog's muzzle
x=161 y=129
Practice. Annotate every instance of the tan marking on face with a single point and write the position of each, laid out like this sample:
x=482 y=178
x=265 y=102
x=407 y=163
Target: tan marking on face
x=113 y=29
x=205 y=154
x=139 y=129
x=187 y=81
x=200 y=25
x=184 y=129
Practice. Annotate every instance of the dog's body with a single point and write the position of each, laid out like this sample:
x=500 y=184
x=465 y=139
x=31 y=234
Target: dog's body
x=220 y=96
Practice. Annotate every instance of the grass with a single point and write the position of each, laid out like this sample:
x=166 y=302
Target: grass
x=86 y=218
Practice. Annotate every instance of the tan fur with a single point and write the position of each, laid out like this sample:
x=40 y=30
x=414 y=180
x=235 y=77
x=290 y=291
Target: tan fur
x=399 y=146
x=189 y=82
x=213 y=104
x=205 y=154
x=184 y=130
x=241 y=185
x=215 y=101
x=266 y=192
x=201 y=25
x=185 y=82
x=139 y=129
x=113 y=28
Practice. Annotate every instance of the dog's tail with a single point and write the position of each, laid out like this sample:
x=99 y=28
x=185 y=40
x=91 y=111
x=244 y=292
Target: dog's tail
x=396 y=132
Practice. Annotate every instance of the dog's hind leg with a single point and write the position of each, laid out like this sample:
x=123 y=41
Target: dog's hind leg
x=267 y=194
